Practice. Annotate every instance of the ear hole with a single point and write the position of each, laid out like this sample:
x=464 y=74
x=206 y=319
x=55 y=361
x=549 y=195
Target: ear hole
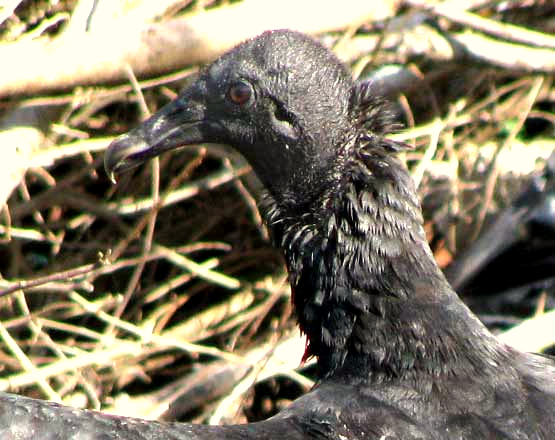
x=284 y=122
x=281 y=114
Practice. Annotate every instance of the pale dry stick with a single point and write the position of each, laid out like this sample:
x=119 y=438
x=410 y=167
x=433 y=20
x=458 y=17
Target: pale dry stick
x=359 y=65
x=97 y=357
x=27 y=365
x=409 y=115
x=99 y=94
x=7 y=9
x=50 y=181
x=275 y=293
x=203 y=246
x=72 y=350
x=96 y=15
x=540 y=307
x=453 y=206
x=229 y=405
x=491 y=179
x=460 y=47
x=66 y=196
x=37 y=215
x=49 y=156
x=436 y=126
x=439 y=126
x=61 y=129
x=418 y=173
x=348 y=33
x=249 y=200
x=84 y=107
x=154 y=255
x=89 y=389
x=18 y=143
x=155 y=191
x=168 y=285
x=185 y=192
x=268 y=361
x=123 y=244
x=144 y=220
x=6 y=230
x=496 y=95
x=465 y=5
x=91 y=270
x=43 y=175
x=148 y=337
x=80 y=221
x=65 y=286
x=36 y=327
x=46 y=23
x=136 y=86
x=163 y=314
x=286 y=352
x=63 y=193
x=251 y=316
x=200 y=326
x=534 y=334
x=548 y=116
x=506 y=55
x=78 y=330
x=33 y=156
x=152 y=48
x=414 y=133
x=463 y=118
x=66 y=275
x=199 y=270
x=27 y=234
x=505 y=31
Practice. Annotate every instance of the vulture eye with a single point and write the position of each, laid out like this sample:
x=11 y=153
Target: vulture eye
x=240 y=93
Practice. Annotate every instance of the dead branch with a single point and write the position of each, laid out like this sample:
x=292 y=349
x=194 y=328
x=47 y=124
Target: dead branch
x=153 y=48
x=505 y=31
x=506 y=55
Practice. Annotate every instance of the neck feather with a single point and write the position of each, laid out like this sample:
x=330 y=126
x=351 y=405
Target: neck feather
x=368 y=293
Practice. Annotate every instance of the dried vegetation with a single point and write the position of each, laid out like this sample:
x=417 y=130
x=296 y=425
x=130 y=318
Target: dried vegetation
x=161 y=297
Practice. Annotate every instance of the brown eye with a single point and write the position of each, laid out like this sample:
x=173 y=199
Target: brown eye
x=240 y=93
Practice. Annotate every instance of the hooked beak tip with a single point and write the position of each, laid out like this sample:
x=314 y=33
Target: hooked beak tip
x=125 y=152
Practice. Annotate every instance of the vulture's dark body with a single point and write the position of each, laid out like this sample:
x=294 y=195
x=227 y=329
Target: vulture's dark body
x=399 y=355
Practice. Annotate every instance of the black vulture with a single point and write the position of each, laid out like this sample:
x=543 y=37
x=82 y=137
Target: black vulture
x=399 y=354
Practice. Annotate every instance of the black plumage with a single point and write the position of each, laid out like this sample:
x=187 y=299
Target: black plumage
x=399 y=355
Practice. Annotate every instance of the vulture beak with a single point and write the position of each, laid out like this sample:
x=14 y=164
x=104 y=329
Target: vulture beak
x=179 y=123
